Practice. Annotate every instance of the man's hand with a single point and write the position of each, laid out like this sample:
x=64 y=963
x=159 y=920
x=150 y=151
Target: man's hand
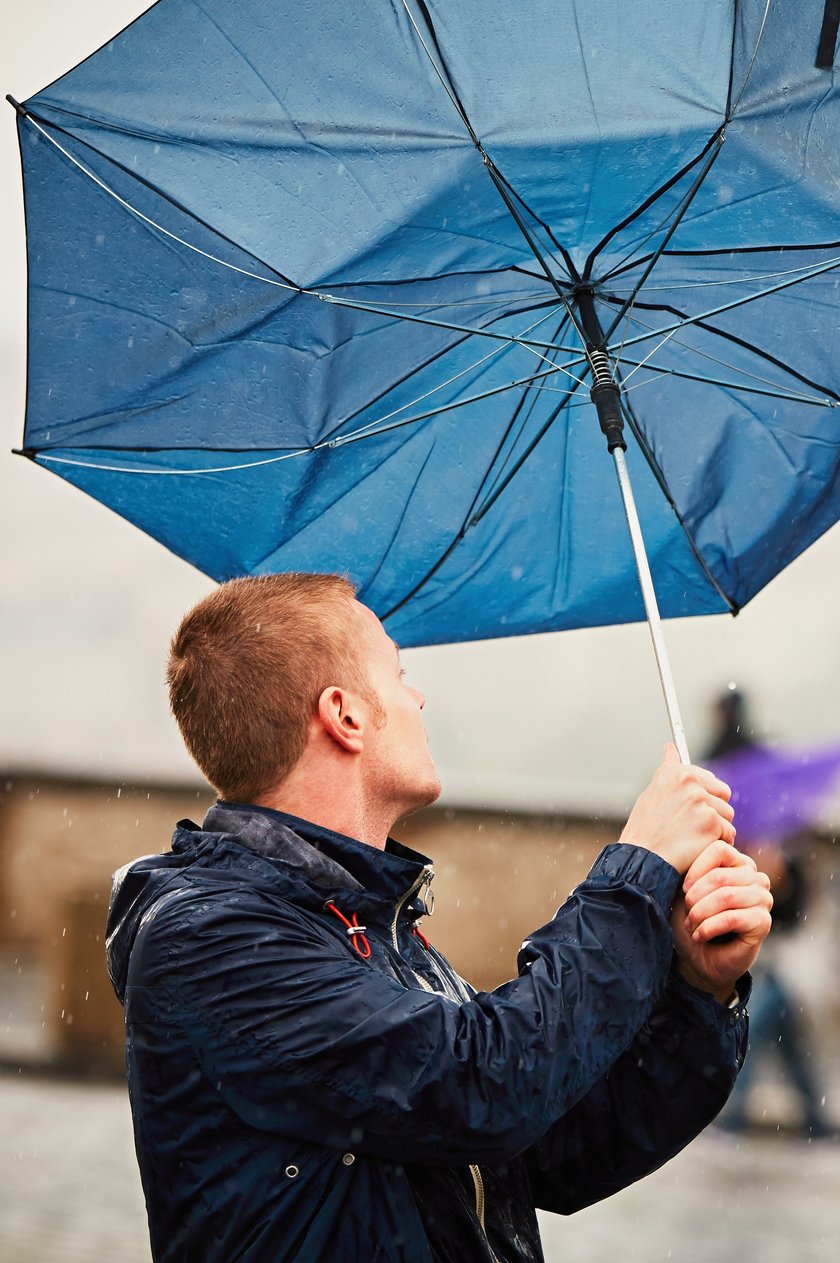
x=721 y=919
x=680 y=813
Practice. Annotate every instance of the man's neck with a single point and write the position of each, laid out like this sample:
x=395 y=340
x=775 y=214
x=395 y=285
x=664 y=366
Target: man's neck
x=343 y=808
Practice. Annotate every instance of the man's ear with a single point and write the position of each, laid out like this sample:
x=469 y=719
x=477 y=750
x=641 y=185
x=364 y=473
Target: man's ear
x=342 y=717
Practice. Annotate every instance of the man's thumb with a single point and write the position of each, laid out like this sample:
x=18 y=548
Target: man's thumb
x=672 y=754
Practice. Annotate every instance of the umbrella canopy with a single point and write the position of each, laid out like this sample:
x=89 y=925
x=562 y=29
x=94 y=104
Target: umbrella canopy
x=309 y=287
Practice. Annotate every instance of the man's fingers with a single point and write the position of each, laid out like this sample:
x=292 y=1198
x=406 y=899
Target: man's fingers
x=712 y=784
x=719 y=854
x=727 y=833
x=728 y=898
x=746 y=923
x=737 y=875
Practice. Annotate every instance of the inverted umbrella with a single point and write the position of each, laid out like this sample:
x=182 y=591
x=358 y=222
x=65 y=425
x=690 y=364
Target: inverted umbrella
x=329 y=287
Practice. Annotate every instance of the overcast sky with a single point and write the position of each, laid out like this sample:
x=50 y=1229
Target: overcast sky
x=573 y=720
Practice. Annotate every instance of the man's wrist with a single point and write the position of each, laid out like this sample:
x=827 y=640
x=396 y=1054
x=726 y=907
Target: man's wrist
x=724 y=993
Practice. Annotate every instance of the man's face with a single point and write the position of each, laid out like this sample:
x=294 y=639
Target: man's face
x=400 y=768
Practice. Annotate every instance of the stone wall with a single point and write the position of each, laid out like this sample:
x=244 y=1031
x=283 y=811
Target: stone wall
x=497 y=878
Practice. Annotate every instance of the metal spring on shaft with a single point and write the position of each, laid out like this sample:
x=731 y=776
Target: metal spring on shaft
x=601 y=369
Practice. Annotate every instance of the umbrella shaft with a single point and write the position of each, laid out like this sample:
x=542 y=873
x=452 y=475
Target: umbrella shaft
x=651 y=608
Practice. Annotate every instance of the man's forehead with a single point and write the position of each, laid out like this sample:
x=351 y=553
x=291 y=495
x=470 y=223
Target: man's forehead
x=375 y=626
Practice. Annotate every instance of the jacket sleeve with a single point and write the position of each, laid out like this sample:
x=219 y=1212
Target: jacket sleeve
x=303 y=1037
x=670 y=1083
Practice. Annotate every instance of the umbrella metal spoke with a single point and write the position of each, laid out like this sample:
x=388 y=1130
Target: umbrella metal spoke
x=724 y=385
x=323 y=445
x=714 y=144
x=303 y=291
x=433 y=359
x=672 y=228
x=491 y=500
x=656 y=470
x=503 y=186
x=499 y=350
x=726 y=336
x=775 y=390
x=803 y=271
x=469 y=519
x=533 y=388
x=818 y=270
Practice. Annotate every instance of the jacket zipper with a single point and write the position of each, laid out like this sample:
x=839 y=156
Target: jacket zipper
x=426 y=878
x=478 y=1181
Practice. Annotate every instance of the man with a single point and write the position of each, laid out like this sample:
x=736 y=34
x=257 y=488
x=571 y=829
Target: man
x=309 y=1078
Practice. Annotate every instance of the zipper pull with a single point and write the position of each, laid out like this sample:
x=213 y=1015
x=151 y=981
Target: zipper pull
x=427 y=895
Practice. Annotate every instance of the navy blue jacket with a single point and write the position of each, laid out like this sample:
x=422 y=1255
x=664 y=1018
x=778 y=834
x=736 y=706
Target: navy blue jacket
x=294 y=1099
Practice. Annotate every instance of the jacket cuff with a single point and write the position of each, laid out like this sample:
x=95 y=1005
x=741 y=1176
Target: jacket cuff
x=635 y=866
x=704 y=1024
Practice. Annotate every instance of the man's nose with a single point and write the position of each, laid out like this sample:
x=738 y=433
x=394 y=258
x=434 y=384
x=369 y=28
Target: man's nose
x=421 y=701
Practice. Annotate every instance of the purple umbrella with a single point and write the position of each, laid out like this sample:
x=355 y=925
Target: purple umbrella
x=777 y=792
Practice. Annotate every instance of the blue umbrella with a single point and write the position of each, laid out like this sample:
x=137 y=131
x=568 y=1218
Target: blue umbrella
x=356 y=287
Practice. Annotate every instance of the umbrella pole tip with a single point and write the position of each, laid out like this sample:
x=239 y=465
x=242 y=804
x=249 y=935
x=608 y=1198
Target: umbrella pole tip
x=21 y=109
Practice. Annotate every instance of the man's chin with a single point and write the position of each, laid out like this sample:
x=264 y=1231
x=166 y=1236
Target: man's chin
x=424 y=797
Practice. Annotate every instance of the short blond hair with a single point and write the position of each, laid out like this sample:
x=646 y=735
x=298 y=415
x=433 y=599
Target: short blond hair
x=246 y=668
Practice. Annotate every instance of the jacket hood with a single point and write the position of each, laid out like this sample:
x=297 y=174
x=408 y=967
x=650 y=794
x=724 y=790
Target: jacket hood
x=242 y=843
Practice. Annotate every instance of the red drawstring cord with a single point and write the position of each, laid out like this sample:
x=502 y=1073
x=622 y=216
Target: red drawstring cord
x=355 y=931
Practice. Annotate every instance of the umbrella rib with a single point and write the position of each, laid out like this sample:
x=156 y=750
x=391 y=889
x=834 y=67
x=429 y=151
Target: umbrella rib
x=642 y=207
x=501 y=183
x=433 y=359
x=775 y=392
x=725 y=385
x=715 y=146
x=686 y=321
x=619 y=270
x=40 y=454
x=498 y=350
x=731 y=111
x=449 y=88
x=538 y=382
x=656 y=470
x=772 y=249
x=701 y=323
x=322 y=296
x=469 y=519
x=803 y=271
x=487 y=505
x=42 y=125
x=359 y=435
x=677 y=220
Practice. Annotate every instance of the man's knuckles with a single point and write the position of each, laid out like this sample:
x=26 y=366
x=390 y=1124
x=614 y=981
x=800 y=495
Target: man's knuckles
x=726 y=898
x=740 y=875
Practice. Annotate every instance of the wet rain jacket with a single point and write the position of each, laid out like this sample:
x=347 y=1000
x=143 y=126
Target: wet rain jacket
x=294 y=1099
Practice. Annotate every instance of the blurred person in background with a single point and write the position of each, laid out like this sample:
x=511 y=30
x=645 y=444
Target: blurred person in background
x=780 y=1030
x=733 y=729
x=310 y=1079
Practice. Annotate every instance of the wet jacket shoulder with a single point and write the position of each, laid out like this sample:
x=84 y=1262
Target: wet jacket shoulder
x=301 y=1092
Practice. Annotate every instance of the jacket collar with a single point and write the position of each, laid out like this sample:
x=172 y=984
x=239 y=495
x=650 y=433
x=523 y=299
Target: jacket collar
x=325 y=858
